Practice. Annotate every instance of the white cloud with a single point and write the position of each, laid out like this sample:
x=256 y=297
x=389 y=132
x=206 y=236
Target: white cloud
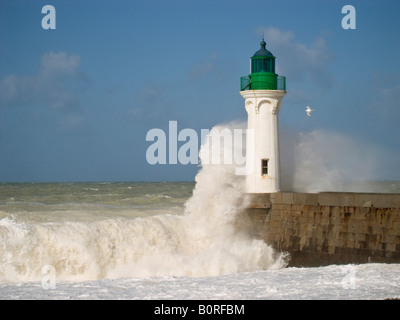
x=202 y=69
x=53 y=64
x=57 y=85
x=297 y=60
x=18 y=90
x=48 y=86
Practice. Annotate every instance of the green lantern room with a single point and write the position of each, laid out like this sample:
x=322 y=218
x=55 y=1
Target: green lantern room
x=262 y=74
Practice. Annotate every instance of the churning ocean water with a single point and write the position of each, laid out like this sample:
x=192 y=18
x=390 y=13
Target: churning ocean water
x=161 y=240
x=164 y=240
x=77 y=232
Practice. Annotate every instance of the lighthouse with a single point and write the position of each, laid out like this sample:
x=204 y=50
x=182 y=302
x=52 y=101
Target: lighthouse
x=263 y=91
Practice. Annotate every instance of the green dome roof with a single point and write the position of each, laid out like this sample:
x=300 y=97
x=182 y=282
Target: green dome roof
x=263 y=52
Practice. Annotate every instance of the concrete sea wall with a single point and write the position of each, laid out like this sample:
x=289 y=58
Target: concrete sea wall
x=329 y=227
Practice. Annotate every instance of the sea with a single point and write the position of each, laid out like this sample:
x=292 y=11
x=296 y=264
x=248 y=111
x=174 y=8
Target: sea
x=160 y=241
x=155 y=240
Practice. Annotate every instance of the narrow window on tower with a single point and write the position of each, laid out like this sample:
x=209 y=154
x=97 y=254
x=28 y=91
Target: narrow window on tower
x=264 y=167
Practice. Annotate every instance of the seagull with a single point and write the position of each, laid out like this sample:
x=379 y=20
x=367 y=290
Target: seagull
x=308 y=111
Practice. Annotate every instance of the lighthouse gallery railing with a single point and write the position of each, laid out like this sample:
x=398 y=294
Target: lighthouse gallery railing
x=245 y=84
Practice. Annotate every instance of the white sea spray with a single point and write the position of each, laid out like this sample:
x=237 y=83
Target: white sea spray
x=203 y=241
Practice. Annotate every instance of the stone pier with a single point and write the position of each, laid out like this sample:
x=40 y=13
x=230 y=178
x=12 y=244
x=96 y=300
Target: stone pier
x=329 y=227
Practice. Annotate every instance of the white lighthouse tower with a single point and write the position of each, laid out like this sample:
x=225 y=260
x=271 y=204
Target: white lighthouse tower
x=263 y=91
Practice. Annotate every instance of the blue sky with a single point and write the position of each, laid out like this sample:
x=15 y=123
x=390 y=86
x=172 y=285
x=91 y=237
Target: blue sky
x=76 y=102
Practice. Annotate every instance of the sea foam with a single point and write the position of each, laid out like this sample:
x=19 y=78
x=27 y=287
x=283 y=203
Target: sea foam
x=204 y=241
